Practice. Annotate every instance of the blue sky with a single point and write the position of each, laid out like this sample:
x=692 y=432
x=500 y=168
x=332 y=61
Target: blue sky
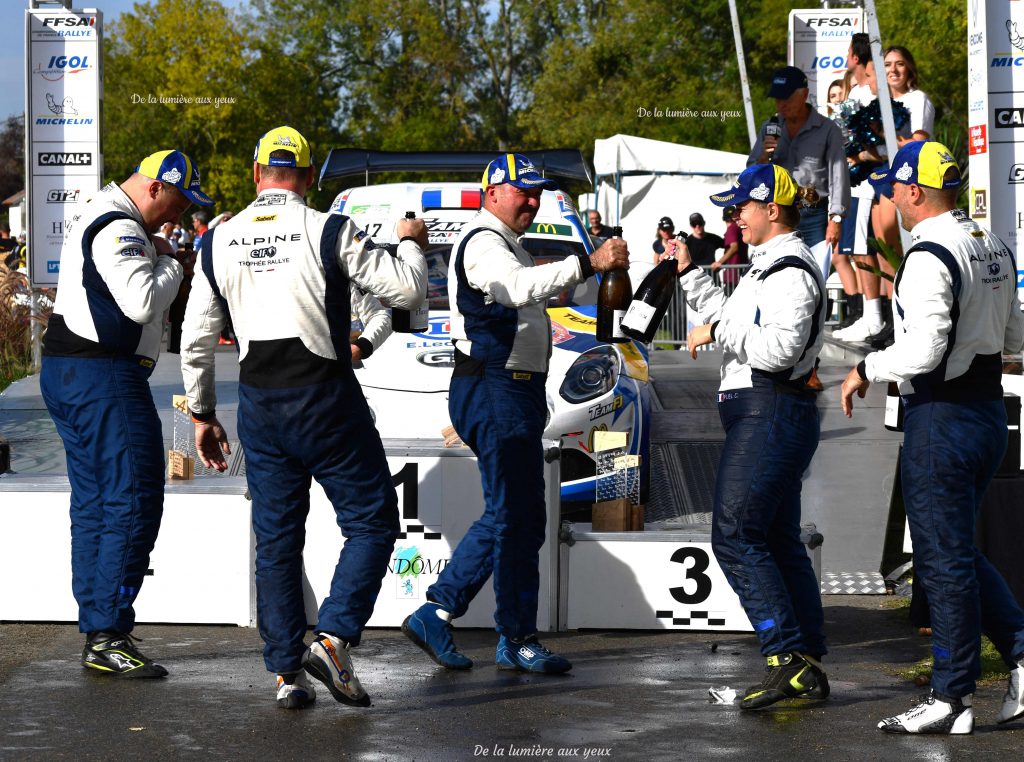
x=12 y=45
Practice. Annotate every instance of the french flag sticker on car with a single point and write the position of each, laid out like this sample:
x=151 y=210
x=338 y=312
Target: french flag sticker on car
x=450 y=198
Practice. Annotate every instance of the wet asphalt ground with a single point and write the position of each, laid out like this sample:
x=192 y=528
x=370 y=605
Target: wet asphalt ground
x=630 y=696
x=636 y=695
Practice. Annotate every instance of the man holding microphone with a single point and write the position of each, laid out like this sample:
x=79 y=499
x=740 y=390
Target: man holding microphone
x=810 y=146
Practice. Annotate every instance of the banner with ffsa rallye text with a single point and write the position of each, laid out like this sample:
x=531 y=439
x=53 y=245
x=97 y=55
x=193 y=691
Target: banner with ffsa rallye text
x=64 y=76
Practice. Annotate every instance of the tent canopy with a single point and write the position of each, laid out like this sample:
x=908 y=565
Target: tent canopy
x=641 y=180
x=625 y=154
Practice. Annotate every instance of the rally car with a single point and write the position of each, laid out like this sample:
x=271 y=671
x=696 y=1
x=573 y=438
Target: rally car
x=592 y=386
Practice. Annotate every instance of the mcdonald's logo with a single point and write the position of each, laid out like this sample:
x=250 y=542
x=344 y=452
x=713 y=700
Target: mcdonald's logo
x=550 y=228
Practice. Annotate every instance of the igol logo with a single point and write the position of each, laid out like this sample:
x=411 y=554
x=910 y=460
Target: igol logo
x=59 y=66
x=439 y=328
x=437 y=358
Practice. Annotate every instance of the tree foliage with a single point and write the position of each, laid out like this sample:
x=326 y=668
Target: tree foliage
x=12 y=156
x=196 y=76
x=465 y=74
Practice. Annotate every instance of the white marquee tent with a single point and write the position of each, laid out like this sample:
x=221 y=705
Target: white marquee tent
x=639 y=180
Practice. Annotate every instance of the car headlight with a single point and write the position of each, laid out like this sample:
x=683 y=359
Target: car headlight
x=594 y=373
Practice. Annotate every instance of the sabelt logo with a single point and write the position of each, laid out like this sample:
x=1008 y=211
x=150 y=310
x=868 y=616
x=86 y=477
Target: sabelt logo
x=1009 y=118
x=61 y=196
x=65 y=159
x=1016 y=174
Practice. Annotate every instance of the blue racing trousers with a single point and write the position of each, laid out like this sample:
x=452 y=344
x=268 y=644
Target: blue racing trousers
x=501 y=418
x=771 y=433
x=322 y=431
x=104 y=413
x=951 y=450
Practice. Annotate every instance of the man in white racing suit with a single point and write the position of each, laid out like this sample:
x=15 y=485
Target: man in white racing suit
x=956 y=311
x=502 y=336
x=117 y=279
x=283 y=272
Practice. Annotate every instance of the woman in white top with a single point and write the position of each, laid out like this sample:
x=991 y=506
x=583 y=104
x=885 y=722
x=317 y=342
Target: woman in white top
x=901 y=75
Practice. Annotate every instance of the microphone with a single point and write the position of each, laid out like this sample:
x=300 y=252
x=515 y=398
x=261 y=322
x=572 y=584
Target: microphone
x=773 y=129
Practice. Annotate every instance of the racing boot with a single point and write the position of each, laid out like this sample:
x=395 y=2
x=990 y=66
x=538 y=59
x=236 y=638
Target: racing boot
x=294 y=691
x=115 y=654
x=787 y=675
x=1013 y=702
x=936 y=715
x=430 y=628
x=528 y=655
x=821 y=690
x=328 y=661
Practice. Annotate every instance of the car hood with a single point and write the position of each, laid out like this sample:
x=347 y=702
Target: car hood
x=423 y=362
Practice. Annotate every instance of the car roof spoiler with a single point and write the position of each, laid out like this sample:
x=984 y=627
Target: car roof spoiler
x=567 y=163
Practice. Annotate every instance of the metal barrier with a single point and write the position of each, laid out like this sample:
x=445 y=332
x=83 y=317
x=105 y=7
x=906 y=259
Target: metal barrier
x=673 y=329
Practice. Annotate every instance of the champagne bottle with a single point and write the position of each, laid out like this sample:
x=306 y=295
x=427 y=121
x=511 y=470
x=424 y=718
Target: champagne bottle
x=613 y=300
x=415 y=320
x=651 y=301
x=893 y=408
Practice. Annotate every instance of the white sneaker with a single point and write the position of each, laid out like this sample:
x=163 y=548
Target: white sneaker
x=294 y=691
x=935 y=715
x=859 y=331
x=1013 y=702
x=328 y=661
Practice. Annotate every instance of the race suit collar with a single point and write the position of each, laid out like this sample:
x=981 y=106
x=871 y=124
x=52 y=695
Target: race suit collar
x=291 y=197
x=124 y=202
x=489 y=220
x=768 y=248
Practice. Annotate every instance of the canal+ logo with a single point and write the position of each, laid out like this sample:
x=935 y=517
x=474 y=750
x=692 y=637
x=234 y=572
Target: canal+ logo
x=60 y=66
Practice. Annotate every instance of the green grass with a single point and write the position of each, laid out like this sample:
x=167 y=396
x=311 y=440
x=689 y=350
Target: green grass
x=993 y=668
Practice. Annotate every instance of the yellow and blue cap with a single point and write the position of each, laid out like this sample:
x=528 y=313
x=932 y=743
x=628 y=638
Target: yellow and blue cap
x=177 y=169
x=515 y=169
x=760 y=182
x=283 y=139
x=921 y=162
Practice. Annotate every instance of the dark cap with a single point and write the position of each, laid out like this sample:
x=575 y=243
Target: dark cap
x=665 y=223
x=728 y=213
x=786 y=81
x=696 y=219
